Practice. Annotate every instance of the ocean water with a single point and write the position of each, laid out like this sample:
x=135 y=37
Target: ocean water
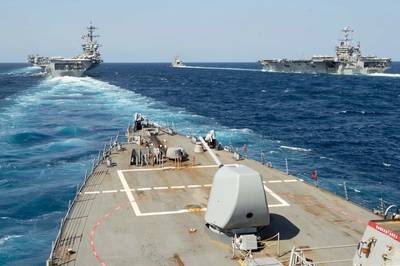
x=346 y=127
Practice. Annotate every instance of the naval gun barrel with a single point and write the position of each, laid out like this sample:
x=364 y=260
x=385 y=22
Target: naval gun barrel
x=215 y=158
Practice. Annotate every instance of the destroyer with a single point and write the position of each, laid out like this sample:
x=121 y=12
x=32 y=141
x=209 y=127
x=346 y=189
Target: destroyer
x=75 y=66
x=348 y=60
x=159 y=198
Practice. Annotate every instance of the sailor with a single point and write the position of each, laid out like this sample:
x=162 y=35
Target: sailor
x=109 y=162
x=133 y=157
x=156 y=152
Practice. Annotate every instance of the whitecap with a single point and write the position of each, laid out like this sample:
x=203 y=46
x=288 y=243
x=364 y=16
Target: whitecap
x=295 y=148
x=241 y=130
x=6 y=238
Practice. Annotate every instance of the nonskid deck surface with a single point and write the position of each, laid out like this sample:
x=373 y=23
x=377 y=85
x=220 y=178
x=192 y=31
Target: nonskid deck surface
x=154 y=215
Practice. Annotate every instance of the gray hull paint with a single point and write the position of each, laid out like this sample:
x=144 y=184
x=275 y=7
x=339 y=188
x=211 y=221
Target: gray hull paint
x=77 y=72
x=318 y=68
x=298 y=67
x=348 y=60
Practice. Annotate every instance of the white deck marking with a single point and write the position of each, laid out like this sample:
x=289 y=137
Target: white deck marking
x=109 y=191
x=129 y=194
x=92 y=192
x=172 y=168
x=193 y=186
x=144 y=189
x=172 y=212
x=280 y=181
x=276 y=196
x=177 y=187
x=137 y=211
x=160 y=188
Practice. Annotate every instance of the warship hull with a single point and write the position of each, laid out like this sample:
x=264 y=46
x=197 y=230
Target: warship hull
x=348 y=60
x=74 y=68
x=322 y=67
x=298 y=66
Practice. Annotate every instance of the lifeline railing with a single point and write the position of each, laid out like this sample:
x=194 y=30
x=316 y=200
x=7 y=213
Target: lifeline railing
x=299 y=258
x=96 y=161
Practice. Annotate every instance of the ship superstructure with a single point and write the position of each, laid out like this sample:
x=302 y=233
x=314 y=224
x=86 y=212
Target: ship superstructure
x=75 y=66
x=348 y=60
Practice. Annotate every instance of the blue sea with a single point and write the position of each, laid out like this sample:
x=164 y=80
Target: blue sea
x=345 y=127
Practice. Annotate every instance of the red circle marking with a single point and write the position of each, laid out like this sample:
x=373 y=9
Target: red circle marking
x=92 y=234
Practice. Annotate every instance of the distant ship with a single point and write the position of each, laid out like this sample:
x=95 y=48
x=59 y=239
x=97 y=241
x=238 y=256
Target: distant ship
x=177 y=62
x=348 y=60
x=75 y=66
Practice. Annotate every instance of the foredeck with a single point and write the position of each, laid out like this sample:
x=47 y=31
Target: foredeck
x=154 y=215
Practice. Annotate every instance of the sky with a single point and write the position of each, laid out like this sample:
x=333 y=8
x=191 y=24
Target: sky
x=197 y=31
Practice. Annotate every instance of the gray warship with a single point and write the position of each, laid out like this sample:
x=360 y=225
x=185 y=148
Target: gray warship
x=177 y=62
x=76 y=66
x=155 y=197
x=348 y=60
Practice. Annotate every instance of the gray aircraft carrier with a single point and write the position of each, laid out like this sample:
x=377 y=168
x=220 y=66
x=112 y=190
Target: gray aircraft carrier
x=160 y=198
x=348 y=60
x=76 y=66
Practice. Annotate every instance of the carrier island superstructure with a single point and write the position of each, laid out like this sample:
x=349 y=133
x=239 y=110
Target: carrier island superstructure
x=76 y=66
x=348 y=60
x=160 y=198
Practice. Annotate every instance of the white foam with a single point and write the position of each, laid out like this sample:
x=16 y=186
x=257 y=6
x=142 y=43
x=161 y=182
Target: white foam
x=25 y=70
x=390 y=75
x=326 y=158
x=295 y=148
x=6 y=238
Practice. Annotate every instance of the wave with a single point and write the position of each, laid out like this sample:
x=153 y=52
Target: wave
x=6 y=238
x=354 y=112
x=31 y=71
x=28 y=138
x=3 y=181
x=390 y=75
x=63 y=145
x=241 y=130
x=295 y=148
x=71 y=131
x=326 y=158
x=34 y=220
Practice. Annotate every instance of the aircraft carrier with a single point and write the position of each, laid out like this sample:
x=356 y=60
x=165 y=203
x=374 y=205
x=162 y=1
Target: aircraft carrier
x=348 y=60
x=154 y=197
x=76 y=66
